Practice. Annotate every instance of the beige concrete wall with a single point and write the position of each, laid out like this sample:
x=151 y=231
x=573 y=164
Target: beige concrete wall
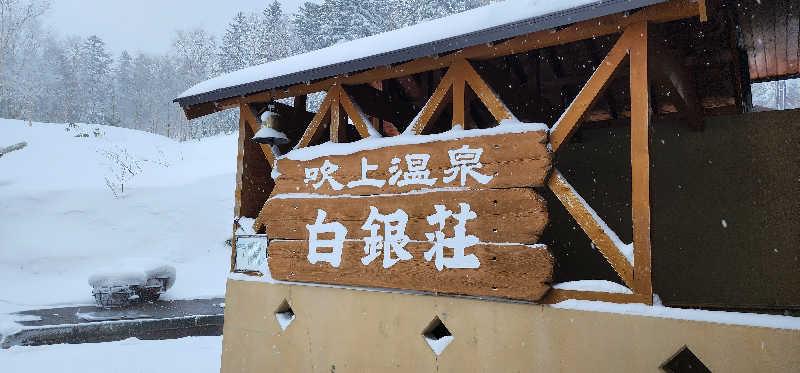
x=360 y=331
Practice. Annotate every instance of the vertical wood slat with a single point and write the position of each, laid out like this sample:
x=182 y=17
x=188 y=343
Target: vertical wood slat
x=338 y=121
x=640 y=160
x=759 y=52
x=781 y=43
x=588 y=96
x=592 y=225
x=458 y=102
x=793 y=36
x=749 y=43
x=768 y=22
x=246 y=114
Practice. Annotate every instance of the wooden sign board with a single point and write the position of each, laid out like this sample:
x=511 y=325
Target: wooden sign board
x=455 y=216
x=487 y=162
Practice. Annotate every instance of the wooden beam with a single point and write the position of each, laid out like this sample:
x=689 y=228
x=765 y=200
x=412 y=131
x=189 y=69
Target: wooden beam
x=592 y=224
x=578 y=109
x=559 y=295
x=702 y=10
x=458 y=102
x=607 y=25
x=640 y=160
x=380 y=104
x=484 y=93
x=313 y=129
x=355 y=114
x=338 y=118
x=246 y=114
x=433 y=108
x=237 y=205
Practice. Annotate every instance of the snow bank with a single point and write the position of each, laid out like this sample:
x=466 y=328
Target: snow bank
x=593 y=285
x=474 y=20
x=721 y=317
x=59 y=222
x=190 y=354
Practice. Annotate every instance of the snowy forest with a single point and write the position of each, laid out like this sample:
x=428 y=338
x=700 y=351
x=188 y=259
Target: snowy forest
x=49 y=77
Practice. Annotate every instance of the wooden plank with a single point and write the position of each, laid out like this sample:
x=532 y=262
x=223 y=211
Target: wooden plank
x=430 y=112
x=237 y=206
x=512 y=160
x=354 y=114
x=594 y=227
x=503 y=215
x=559 y=295
x=701 y=8
x=768 y=27
x=781 y=39
x=249 y=117
x=640 y=161
x=579 y=108
x=793 y=36
x=746 y=25
x=485 y=94
x=508 y=271
x=458 y=102
x=313 y=129
x=338 y=119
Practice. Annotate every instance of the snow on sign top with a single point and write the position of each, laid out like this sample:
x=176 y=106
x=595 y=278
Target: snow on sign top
x=481 y=25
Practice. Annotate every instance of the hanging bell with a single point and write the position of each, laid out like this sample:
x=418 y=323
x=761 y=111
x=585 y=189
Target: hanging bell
x=268 y=133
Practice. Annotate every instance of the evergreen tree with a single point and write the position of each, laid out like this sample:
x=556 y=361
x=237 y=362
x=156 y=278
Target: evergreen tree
x=97 y=63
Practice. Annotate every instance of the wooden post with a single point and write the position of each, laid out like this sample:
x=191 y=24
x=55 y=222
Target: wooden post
x=640 y=160
x=338 y=120
x=458 y=103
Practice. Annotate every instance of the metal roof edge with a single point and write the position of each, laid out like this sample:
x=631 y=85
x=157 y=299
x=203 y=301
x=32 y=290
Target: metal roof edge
x=526 y=26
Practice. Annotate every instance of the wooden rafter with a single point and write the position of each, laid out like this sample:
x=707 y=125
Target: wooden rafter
x=452 y=89
x=335 y=109
x=607 y=25
x=313 y=129
x=593 y=225
x=576 y=112
x=434 y=107
x=636 y=275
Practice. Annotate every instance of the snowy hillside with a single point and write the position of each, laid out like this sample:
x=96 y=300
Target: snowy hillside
x=82 y=197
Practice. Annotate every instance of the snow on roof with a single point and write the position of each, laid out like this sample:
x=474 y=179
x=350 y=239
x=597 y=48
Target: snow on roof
x=480 y=25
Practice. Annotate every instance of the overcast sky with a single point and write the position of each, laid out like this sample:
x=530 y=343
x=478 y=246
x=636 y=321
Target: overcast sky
x=146 y=25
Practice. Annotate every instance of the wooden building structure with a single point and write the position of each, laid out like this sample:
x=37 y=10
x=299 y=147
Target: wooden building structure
x=660 y=176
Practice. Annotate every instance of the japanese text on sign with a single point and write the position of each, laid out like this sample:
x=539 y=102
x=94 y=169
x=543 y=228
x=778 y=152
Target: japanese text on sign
x=387 y=237
x=411 y=169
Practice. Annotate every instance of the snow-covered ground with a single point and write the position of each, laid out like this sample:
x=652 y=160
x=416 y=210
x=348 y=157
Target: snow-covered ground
x=60 y=220
x=191 y=354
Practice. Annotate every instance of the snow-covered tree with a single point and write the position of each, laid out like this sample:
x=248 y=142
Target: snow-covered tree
x=97 y=63
x=276 y=38
x=14 y=16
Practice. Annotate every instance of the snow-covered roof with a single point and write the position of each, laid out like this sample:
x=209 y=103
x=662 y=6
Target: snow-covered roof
x=473 y=27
